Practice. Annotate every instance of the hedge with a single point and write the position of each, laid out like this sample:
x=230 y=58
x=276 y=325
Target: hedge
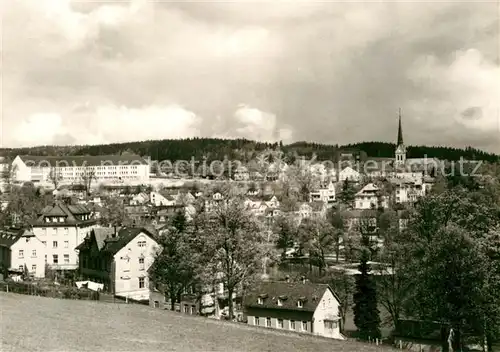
x=26 y=288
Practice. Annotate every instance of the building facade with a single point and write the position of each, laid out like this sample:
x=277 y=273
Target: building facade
x=78 y=169
x=119 y=259
x=301 y=306
x=28 y=254
x=61 y=228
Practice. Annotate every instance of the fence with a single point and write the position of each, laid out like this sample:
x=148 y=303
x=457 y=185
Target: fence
x=32 y=289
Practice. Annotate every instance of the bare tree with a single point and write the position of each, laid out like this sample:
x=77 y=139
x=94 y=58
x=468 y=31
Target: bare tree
x=88 y=176
x=55 y=176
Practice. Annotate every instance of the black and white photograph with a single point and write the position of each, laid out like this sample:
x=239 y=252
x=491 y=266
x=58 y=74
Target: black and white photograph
x=249 y=175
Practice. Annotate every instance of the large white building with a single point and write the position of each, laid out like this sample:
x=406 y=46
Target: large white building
x=77 y=169
x=61 y=228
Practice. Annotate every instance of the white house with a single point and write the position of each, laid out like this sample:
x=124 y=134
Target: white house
x=301 y=307
x=26 y=251
x=119 y=259
x=162 y=198
x=369 y=198
x=349 y=174
x=325 y=194
x=241 y=174
x=61 y=228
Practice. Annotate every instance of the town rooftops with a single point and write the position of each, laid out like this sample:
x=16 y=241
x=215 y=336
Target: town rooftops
x=82 y=161
x=123 y=237
x=72 y=214
x=9 y=236
x=296 y=296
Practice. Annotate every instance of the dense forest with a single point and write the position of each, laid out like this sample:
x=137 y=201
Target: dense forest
x=245 y=150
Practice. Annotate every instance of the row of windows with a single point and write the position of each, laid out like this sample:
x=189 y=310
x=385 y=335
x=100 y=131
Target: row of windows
x=21 y=253
x=300 y=303
x=267 y=323
x=33 y=267
x=55 y=244
x=55 y=259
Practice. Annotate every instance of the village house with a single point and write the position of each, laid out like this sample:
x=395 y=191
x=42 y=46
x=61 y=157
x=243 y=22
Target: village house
x=139 y=199
x=326 y=194
x=241 y=174
x=300 y=306
x=61 y=228
x=369 y=197
x=120 y=259
x=162 y=198
x=27 y=253
x=349 y=174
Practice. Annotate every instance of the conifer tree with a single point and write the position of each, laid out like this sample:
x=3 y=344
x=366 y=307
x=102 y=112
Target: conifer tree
x=366 y=313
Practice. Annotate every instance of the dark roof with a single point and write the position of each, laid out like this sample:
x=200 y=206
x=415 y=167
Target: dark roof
x=9 y=236
x=63 y=210
x=99 y=160
x=290 y=292
x=124 y=236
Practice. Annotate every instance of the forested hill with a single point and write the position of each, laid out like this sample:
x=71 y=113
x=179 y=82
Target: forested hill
x=242 y=149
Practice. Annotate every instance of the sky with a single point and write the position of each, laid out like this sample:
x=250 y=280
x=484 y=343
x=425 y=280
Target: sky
x=93 y=72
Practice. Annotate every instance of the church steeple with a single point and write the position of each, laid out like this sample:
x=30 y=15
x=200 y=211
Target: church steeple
x=400 y=131
x=400 y=154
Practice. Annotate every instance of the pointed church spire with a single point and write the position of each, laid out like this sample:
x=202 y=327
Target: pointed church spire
x=400 y=130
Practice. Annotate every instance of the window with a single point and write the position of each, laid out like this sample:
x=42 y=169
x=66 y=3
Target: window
x=54 y=231
x=186 y=309
x=55 y=259
x=280 y=302
x=21 y=268
x=268 y=322
x=66 y=259
x=292 y=324
x=66 y=244
x=193 y=310
x=330 y=325
x=141 y=243
x=45 y=258
x=66 y=231
x=141 y=263
x=157 y=304
x=21 y=254
x=280 y=323
x=33 y=267
x=304 y=326
x=141 y=282
x=33 y=253
x=256 y=321
x=27 y=239
x=260 y=300
x=300 y=304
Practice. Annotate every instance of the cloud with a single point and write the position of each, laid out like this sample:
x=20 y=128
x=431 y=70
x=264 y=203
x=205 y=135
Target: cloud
x=331 y=72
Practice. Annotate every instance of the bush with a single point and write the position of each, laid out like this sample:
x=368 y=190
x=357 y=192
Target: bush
x=45 y=291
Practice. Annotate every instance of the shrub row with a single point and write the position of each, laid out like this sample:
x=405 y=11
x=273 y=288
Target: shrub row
x=26 y=288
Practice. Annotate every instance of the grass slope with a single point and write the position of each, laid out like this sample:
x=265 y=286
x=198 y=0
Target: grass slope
x=44 y=324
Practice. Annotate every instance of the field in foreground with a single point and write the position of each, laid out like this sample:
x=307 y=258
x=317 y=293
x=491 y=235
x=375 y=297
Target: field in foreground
x=45 y=324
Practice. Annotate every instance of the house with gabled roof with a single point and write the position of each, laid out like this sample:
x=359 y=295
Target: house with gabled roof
x=27 y=253
x=294 y=306
x=62 y=227
x=119 y=258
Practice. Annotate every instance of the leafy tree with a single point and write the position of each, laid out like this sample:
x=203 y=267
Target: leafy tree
x=366 y=313
x=286 y=230
x=114 y=213
x=173 y=268
x=317 y=238
x=339 y=228
x=179 y=221
x=233 y=244
x=55 y=176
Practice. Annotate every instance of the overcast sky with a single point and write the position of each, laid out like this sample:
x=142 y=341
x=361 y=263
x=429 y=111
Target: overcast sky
x=98 y=72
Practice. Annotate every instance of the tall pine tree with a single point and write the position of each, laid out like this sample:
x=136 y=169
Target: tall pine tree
x=366 y=313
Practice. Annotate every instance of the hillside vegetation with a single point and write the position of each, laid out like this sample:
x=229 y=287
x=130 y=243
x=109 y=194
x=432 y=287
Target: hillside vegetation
x=245 y=150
